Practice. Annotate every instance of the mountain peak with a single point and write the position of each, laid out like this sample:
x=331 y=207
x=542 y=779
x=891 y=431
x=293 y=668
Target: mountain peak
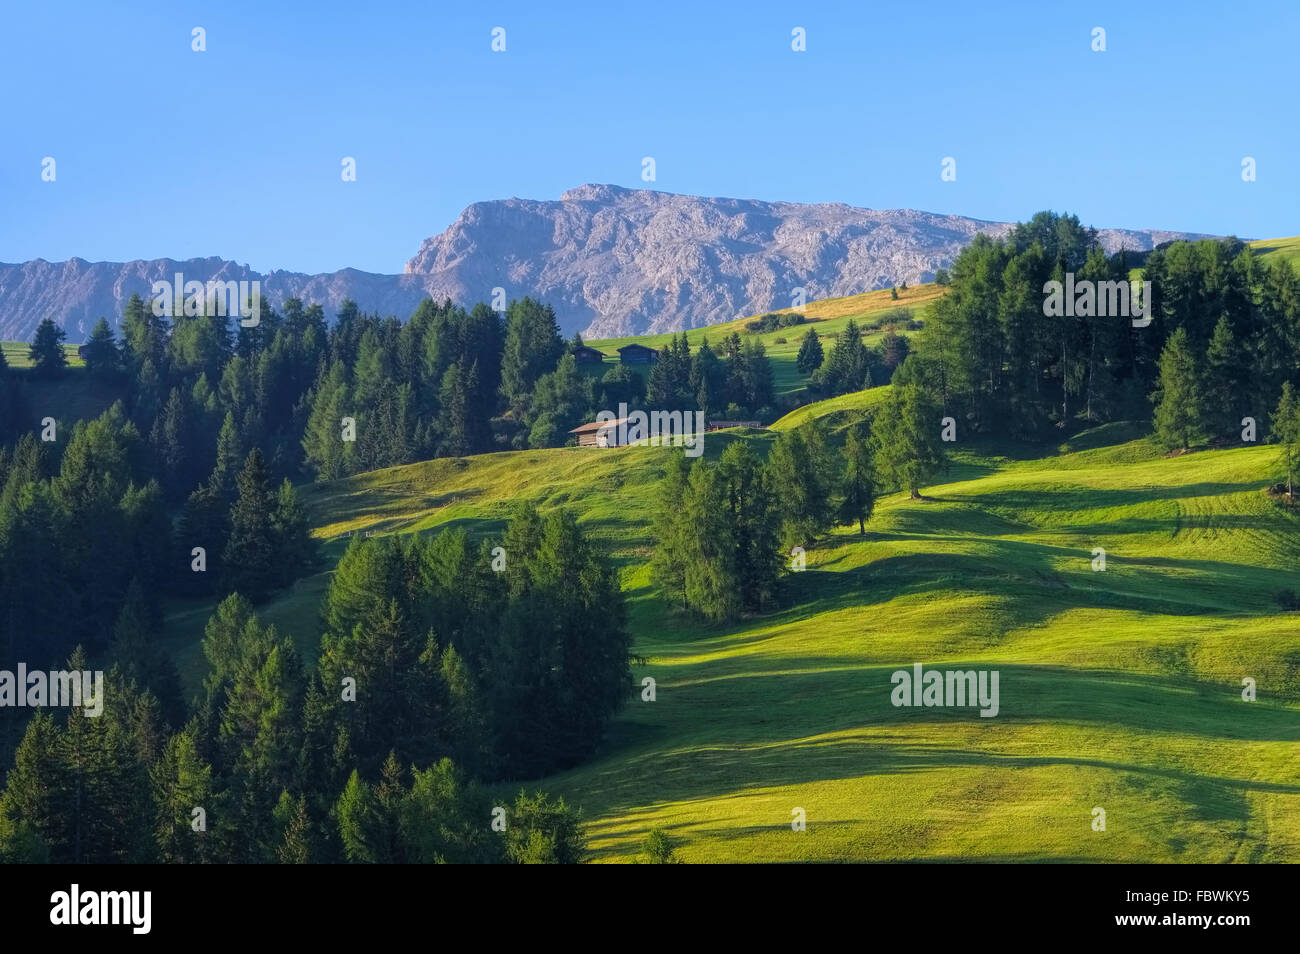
x=597 y=192
x=611 y=260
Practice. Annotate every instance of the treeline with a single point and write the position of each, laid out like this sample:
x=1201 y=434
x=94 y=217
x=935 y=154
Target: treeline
x=726 y=532
x=998 y=364
x=851 y=365
x=327 y=402
x=732 y=383
x=443 y=666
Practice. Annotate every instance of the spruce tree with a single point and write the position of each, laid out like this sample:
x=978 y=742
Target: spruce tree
x=858 y=487
x=298 y=844
x=204 y=525
x=1225 y=380
x=100 y=353
x=810 y=356
x=532 y=347
x=905 y=438
x=295 y=548
x=182 y=782
x=248 y=560
x=327 y=454
x=46 y=350
x=229 y=454
x=801 y=479
x=141 y=660
x=749 y=506
x=1179 y=399
x=1286 y=431
x=358 y=822
x=672 y=534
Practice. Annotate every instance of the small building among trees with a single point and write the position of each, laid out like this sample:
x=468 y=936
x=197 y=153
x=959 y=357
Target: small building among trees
x=599 y=433
x=585 y=354
x=638 y=354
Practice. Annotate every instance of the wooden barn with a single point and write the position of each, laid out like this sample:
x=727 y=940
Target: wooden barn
x=586 y=355
x=598 y=433
x=637 y=354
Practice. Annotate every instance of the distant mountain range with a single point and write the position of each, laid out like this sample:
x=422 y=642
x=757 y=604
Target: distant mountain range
x=612 y=261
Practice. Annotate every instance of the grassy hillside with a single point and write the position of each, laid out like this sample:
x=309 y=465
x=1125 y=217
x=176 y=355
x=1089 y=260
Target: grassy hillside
x=1119 y=689
x=829 y=316
x=1287 y=249
x=836 y=411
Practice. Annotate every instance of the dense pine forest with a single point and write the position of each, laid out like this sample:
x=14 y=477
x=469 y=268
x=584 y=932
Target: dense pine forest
x=1222 y=340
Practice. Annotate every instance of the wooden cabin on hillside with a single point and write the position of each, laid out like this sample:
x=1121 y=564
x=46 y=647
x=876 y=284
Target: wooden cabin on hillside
x=599 y=433
x=638 y=354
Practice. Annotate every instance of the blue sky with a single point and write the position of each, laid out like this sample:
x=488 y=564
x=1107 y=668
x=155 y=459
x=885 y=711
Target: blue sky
x=235 y=152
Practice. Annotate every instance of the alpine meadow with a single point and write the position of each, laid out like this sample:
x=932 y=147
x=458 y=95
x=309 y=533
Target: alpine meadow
x=645 y=525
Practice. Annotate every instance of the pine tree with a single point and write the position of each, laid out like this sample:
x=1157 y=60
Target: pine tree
x=358 y=822
x=1179 y=399
x=36 y=791
x=711 y=580
x=107 y=796
x=453 y=424
x=1225 y=380
x=543 y=831
x=249 y=557
x=848 y=367
x=801 y=479
x=532 y=347
x=169 y=438
x=204 y=524
x=295 y=548
x=671 y=533
x=139 y=656
x=905 y=438
x=441 y=819
x=46 y=351
x=1286 y=431
x=229 y=454
x=749 y=506
x=759 y=393
x=858 y=488
x=327 y=454
x=298 y=845
x=182 y=782
x=810 y=356
x=100 y=352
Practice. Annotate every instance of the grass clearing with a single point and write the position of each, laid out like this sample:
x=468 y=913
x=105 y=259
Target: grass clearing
x=1119 y=689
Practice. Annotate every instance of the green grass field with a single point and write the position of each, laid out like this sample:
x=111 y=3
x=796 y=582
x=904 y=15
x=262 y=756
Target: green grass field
x=1120 y=689
x=1287 y=249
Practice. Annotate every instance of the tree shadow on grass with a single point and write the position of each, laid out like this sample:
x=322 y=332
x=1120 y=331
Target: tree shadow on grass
x=1077 y=498
x=1029 y=575
x=809 y=722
